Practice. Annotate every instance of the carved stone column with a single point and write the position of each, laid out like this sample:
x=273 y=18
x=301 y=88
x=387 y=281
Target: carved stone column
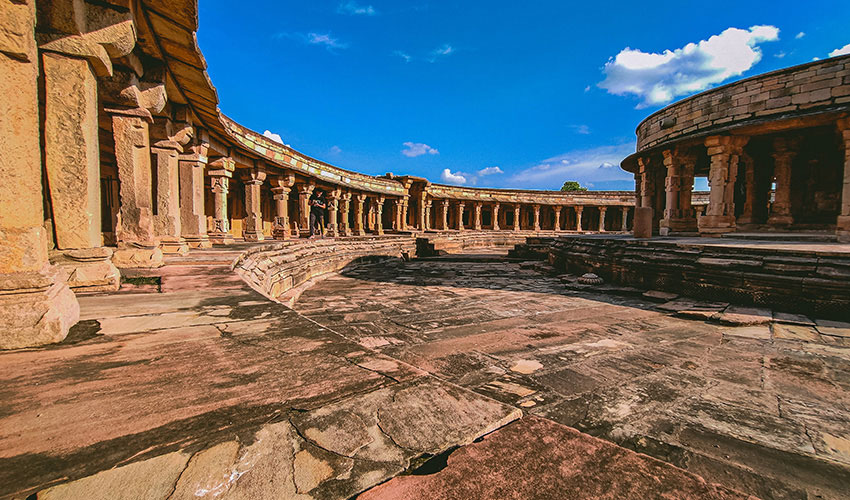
x=333 y=213
x=445 y=214
x=404 y=203
x=579 y=211
x=193 y=220
x=345 y=211
x=602 y=212
x=252 y=229
x=625 y=227
x=843 y=221
x=784 y=151
x=305 y=190
x=517 y=217
x=378 y=206
x=167 y=221
x=537 y=217
x=396 y=215
x=748 y=212
x=36 y=307
x=422 y=209
x=477 y=214
x=427 y=224
x=137 y=243
x=281 y=187
x=72 y=165
x=724 y=152
x=460 y=207
x=220 y=173
x=495 y=217
x=558 y=218
x=646 y=182
x=359 y=216
x=679 y=215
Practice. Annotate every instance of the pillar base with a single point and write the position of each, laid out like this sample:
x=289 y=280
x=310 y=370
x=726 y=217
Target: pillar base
x=174 y=246
x=221 y=238
x=683 y=225
x=87 y=269
x=842 y=229
x=198 y=241
x=281 y=233
x=35 y=311
x=129 y=256
x=716 y=224
x=780 y=220
x=253 y=236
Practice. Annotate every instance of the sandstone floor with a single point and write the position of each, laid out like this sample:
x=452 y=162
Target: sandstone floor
x=444 y=378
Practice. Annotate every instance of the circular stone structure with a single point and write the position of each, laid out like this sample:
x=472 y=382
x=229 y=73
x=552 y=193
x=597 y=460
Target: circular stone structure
x=775 y=149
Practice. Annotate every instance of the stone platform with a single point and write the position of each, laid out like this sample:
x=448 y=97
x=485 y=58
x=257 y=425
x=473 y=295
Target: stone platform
x=451 y=377
x=798 y=277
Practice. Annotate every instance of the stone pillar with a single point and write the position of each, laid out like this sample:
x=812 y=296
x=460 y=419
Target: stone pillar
x=460 y=206
x=625 y=227
x=537 y=217
x=602 y=212
x=36 y=307
x=167 y=221
x=477 y=214
x=579 y=210
x=724 y=152
x=72 y=165
x=558 y=218
x=397 y=213
x=422 y=209
x=137 y=243
x=220 y=173
x=193 y=220
x=748 y=213
x=427 y=225
x=679 y=215
x=333 y=213
x=281 y=187
x=404 y=203
x=784 y=151
x=517 y=217
x=252 y=229
x=646 y=184
x=495 y=217
x=305 y=190
x=359 y=216
x=378 y=205
x=345 y=211
x=445 y=214
x=843 y=221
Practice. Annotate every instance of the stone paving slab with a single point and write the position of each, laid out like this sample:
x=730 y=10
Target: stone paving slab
x=535 y=458
x=619 y=367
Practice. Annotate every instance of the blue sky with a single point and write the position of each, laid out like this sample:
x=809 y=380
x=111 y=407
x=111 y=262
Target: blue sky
x=491 y=93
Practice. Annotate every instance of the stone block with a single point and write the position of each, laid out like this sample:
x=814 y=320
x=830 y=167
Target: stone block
x=643 y=222
x=36 y=317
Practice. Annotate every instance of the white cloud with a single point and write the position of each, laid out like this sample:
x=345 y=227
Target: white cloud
x=271 y=135
x=587 y=89
x=335 y=150
x=404 y=55
x=453 y=178
x=659 y=78
x=414 y=149
x=581 y=129
x=598 y=165
x=843 y=51
x=442 y=51
x=326 y=40
x=490 y=171
x=352 y=8
x=800 y=35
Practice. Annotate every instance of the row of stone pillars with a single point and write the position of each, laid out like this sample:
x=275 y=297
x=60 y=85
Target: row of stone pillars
x=443 y=222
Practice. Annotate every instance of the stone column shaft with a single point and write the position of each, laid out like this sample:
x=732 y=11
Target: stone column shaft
x=167 y=221
x=496 y=217
x=625 y=227
x=747 y=214
x=537 y=217
x=345 y=211
x=843 y=221
x=427 y=225
x=517 y=217
x=460 y=207
x=359 y=216
x=36 y=308
x=252 y=230
x=783 y=155
x=219 y=234
x=333 y=213
x=378 y=205
x=558 y=218
x=724 y=152
x=445 y=214
x=304 y=193
x=602 y=212
x=281 y=229
x=579 y=211
x=193 y=220
x=477 y=213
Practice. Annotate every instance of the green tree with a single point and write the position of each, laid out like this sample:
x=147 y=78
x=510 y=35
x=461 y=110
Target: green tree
x=572 y=186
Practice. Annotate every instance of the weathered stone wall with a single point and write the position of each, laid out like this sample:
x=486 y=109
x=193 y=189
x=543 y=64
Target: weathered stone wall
x=275 y=269
x=810 y=282
x=793 y=91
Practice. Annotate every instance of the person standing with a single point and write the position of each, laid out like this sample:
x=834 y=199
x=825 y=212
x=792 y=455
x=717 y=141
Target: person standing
x=318 y=206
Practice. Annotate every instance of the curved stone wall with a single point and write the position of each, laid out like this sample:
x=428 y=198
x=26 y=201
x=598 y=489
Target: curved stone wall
x=811 y=88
